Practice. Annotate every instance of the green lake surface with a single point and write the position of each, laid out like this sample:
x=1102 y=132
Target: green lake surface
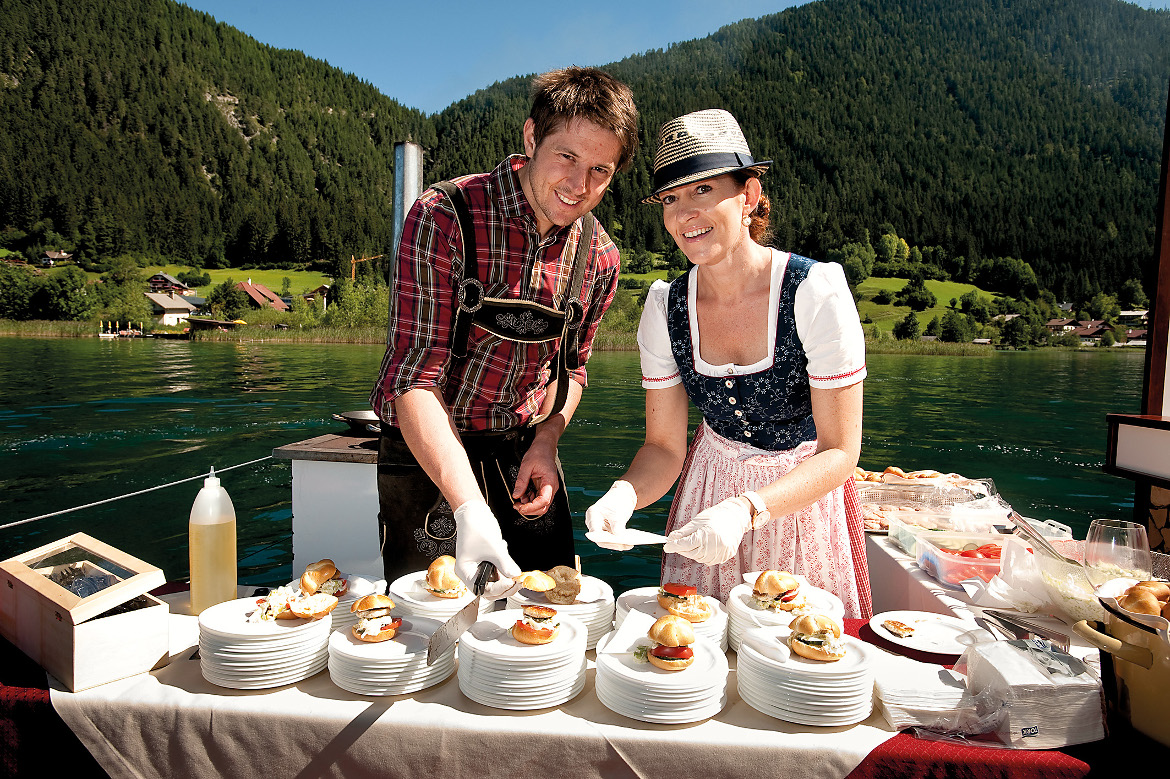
x=83 y=420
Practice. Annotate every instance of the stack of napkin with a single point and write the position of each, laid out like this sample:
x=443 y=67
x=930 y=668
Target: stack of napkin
x=1047 y=699
x=913 y=694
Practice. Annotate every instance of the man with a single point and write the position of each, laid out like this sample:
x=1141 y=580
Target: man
x=484 y=365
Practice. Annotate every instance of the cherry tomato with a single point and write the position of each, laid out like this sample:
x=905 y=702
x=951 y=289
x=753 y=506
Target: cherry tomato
x=680 y=590
x=673 y=652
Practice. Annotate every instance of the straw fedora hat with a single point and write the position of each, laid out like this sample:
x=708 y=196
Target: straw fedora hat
x=700 y=145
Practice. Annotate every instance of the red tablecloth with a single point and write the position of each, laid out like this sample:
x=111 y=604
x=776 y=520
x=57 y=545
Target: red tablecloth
x=34 y=741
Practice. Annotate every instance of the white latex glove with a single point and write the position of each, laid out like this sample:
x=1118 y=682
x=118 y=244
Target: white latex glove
x=612 y=511
x=478 y=539
x=713 y=537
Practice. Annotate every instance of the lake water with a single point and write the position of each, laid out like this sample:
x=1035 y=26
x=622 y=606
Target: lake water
x=82 y=420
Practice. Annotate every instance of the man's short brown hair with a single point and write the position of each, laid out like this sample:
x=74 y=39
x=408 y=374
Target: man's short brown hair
x=585 y=93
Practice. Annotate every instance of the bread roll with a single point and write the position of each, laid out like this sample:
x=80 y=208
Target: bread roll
x=313 y=607
x=568 y=585
x=817 y=637
x=317 y=574
x=1140 y=601
x=441 y=580
x=1161 y=590
x=673 y=632
x=537 y=581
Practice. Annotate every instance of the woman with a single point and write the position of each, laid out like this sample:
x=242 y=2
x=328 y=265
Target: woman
x=769 y=347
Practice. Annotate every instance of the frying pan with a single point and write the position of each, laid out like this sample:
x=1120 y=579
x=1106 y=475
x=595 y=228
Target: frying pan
x=360 y=421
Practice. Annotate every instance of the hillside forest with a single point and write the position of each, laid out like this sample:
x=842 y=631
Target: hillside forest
x=1011 y=146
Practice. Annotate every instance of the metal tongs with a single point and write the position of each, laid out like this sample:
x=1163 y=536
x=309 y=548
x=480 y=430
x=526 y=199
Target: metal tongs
x=1033 y=534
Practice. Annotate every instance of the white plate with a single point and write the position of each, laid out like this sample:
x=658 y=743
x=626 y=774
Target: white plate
x=856 y=664
x=522 y=704
x=739 y=602
x=412 y=638
x=629 y=536
x=237 y=683
x=645 y=600
x=594 y=593
x=786 y=715
x=942 y=634
x=409 y=587
x=707 y=671
x=659 y=717
x=230 y=620
x=501 y=645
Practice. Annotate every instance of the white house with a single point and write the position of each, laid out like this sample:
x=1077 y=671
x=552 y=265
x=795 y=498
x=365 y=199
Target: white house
x=171 y=309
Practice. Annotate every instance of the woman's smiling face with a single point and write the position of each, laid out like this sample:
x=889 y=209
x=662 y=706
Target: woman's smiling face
x=705 y=218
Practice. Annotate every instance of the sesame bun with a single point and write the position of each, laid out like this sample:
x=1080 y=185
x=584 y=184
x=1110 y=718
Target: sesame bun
x=317 y=574
x=526 y=633
x=441 y=580
x=537 y=581
x=313 y=607
x=568 y=585
x=809 y=625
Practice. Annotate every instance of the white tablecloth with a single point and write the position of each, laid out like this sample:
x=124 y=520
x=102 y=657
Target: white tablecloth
x=172 y=723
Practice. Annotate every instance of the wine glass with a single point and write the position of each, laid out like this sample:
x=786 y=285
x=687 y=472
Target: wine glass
x=1116 y=549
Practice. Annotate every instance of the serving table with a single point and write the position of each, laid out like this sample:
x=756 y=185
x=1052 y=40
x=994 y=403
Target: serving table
x=172 y=723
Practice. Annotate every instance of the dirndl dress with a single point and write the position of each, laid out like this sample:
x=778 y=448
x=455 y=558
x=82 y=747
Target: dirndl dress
x=757 y=427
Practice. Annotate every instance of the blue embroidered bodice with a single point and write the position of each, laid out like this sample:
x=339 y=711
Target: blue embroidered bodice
x=770 y=409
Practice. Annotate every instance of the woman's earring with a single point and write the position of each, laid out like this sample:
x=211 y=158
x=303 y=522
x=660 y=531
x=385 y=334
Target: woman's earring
x=747 y=220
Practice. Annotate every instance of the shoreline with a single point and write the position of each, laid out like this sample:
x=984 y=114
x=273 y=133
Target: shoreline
x=604 y=341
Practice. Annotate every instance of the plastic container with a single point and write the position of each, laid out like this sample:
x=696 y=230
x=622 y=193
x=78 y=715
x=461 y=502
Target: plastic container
x=212 y=546
x=939 y=554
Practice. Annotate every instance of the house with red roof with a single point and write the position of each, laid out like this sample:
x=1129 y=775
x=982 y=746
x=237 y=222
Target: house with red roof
x=261 y=296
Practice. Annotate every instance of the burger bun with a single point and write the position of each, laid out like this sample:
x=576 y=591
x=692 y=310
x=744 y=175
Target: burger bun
x=568 y=585
x=317 y=574
x=441 y=580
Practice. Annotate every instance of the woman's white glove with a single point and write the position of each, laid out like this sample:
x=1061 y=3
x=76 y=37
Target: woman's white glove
x=612 y=511
x=478 y=539
x=713 y=537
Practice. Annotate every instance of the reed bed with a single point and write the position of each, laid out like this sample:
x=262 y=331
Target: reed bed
x=308 y=335
x=892 y=346
x=41 y=328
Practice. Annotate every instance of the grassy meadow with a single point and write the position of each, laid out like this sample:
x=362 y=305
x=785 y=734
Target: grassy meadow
x=885 y=317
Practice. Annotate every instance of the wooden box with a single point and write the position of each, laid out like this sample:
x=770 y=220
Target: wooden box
x=73 y=637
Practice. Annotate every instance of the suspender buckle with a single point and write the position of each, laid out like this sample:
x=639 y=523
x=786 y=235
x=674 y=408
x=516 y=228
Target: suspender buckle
x=471 y=295
x=574 y=313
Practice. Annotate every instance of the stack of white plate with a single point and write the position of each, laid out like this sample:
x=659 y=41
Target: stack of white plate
x=645 y=692
x=246 y=655
x=394 y=667
x=645 y=600
x=744 y=616
x=594 y=607
x=784 y=685
x=411 y=598
x=499 y=671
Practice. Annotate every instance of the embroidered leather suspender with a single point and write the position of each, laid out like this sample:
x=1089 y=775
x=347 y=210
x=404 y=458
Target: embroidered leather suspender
x=518 y=320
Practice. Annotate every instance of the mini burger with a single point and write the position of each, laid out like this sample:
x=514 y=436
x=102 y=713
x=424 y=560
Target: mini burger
x=778 y=591
x=313 y=606
x=323 y=577
x=568 y=581
x=672 y=637
x=539 y=625
x=374 y=620
x=683 y=600
x=441 y=580
x=537 y=581
x=817 y=637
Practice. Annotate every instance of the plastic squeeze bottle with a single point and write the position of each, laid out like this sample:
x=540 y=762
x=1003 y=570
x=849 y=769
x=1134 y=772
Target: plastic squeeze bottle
x=212 y=545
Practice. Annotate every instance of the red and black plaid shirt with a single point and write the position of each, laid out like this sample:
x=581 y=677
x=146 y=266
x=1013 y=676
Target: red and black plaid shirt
x=500 y=384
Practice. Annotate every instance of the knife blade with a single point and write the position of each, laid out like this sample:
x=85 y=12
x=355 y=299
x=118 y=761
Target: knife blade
x=1029 y=629
x=445 y=637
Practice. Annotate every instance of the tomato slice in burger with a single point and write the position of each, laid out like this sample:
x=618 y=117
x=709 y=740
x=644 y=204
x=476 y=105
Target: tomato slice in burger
x=520 y=623
x=673 y=652
x=679 y=590
x=397 y=623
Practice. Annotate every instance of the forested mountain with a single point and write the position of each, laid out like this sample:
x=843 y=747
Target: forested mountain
x=987 y=128
x=1020 y=128
x=142 y=126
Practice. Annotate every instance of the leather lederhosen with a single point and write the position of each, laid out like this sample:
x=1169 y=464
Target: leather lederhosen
x=416 y=524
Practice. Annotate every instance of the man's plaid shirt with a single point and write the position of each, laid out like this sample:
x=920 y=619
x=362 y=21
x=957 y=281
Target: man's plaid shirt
x=500 y=384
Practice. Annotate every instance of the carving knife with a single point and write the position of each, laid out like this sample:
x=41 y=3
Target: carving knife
x=445 y=637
